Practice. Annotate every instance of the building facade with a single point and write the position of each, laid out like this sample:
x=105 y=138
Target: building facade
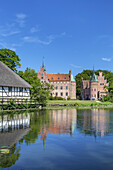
x=64 y=84
x=12 y=85
x=94 y=88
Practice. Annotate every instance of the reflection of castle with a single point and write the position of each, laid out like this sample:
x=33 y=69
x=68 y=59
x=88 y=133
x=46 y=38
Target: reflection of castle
x=96 y=122
x=94 y=88
x=61 y=122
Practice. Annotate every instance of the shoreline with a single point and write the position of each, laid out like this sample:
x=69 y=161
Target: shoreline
x=65 y=106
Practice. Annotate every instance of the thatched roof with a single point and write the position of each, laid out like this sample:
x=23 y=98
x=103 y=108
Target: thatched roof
x=9 y=78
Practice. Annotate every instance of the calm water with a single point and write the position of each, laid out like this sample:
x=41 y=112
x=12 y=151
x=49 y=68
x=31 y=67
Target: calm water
x=57 y=139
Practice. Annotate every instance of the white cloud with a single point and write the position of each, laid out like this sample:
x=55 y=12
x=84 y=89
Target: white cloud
x=75 y=66
x=21 y=16
x=44 y=42
x=63 y=34
x=6 y=34
x=13 y=49
x=106 y=59
x=48 y=40
x=34 y=29
x=21 y=19
x=5 y=45
x=36 y=40
x=30 y=39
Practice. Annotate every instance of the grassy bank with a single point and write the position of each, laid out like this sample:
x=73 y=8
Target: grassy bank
x=77 y=103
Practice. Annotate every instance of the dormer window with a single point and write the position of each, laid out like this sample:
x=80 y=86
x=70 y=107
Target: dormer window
x=52 y=78
x=65 y=78
x=41 y=75
x=58 y=78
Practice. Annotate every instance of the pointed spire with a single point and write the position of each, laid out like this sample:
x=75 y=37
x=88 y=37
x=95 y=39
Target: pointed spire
x=93 y=78
x=43 y=63
x=93 y=71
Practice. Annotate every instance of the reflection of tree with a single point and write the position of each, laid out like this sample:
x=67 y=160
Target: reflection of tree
x=37 y=121
x=7 y=160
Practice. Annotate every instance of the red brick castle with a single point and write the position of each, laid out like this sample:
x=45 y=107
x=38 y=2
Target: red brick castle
x=64 y=84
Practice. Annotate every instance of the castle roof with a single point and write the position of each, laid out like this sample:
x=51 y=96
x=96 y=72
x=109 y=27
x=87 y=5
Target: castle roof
x=72 y=78
x=93 y=78
x=58 y=77
x=9 y=78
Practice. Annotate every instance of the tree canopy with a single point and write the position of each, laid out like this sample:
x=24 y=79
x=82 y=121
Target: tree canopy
x=10 y=58
x=39 y=91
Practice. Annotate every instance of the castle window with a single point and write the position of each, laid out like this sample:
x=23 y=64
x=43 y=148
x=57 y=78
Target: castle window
x=56 y=87
x=65 y=78
x=56 y=94
x=51 y=94
x=95 y=95
x=66 y=93
x=66 y=87
x=41 y=75
x=52 y=78
x=94 y=89
x=44 y=81
x=61 y=94
x=102 y=84
x=58 y=78
x=61 y=87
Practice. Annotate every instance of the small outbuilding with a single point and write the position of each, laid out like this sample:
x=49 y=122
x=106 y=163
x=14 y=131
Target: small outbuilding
x=12 y=85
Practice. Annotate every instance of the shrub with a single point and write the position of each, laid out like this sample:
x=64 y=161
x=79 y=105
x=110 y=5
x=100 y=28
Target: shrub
x=55 y=98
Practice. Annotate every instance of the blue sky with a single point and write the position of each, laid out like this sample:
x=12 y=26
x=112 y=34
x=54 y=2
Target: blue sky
x=70 y=34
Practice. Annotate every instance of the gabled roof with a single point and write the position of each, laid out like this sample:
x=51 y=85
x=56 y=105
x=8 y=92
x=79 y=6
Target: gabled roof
x=58 y=77
x=9 y=78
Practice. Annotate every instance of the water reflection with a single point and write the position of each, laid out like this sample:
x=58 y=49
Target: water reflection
x=94 y=122
x=30 y=127
x=60 y=122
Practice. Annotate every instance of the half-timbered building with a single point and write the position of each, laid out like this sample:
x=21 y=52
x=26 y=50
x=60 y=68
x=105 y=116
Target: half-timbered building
x=12 y=85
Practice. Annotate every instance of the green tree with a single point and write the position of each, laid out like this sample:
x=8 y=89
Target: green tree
x=39 y=91
x=10 y=58
x=86 y=76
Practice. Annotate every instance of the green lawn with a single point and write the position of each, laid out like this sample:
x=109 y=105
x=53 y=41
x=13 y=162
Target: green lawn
x=78 y=102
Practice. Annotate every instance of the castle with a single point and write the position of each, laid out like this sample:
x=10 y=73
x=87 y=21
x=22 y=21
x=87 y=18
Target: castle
x=64 y=84
x=94 y=88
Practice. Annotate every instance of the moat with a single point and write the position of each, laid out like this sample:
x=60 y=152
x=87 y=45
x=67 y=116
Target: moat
x=57 y=139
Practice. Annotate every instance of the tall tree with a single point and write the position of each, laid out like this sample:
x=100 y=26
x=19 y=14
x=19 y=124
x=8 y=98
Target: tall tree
x=10 y=58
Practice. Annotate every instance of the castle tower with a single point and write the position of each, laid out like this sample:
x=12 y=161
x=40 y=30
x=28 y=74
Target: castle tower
x=42 y=75
x=93 y=86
